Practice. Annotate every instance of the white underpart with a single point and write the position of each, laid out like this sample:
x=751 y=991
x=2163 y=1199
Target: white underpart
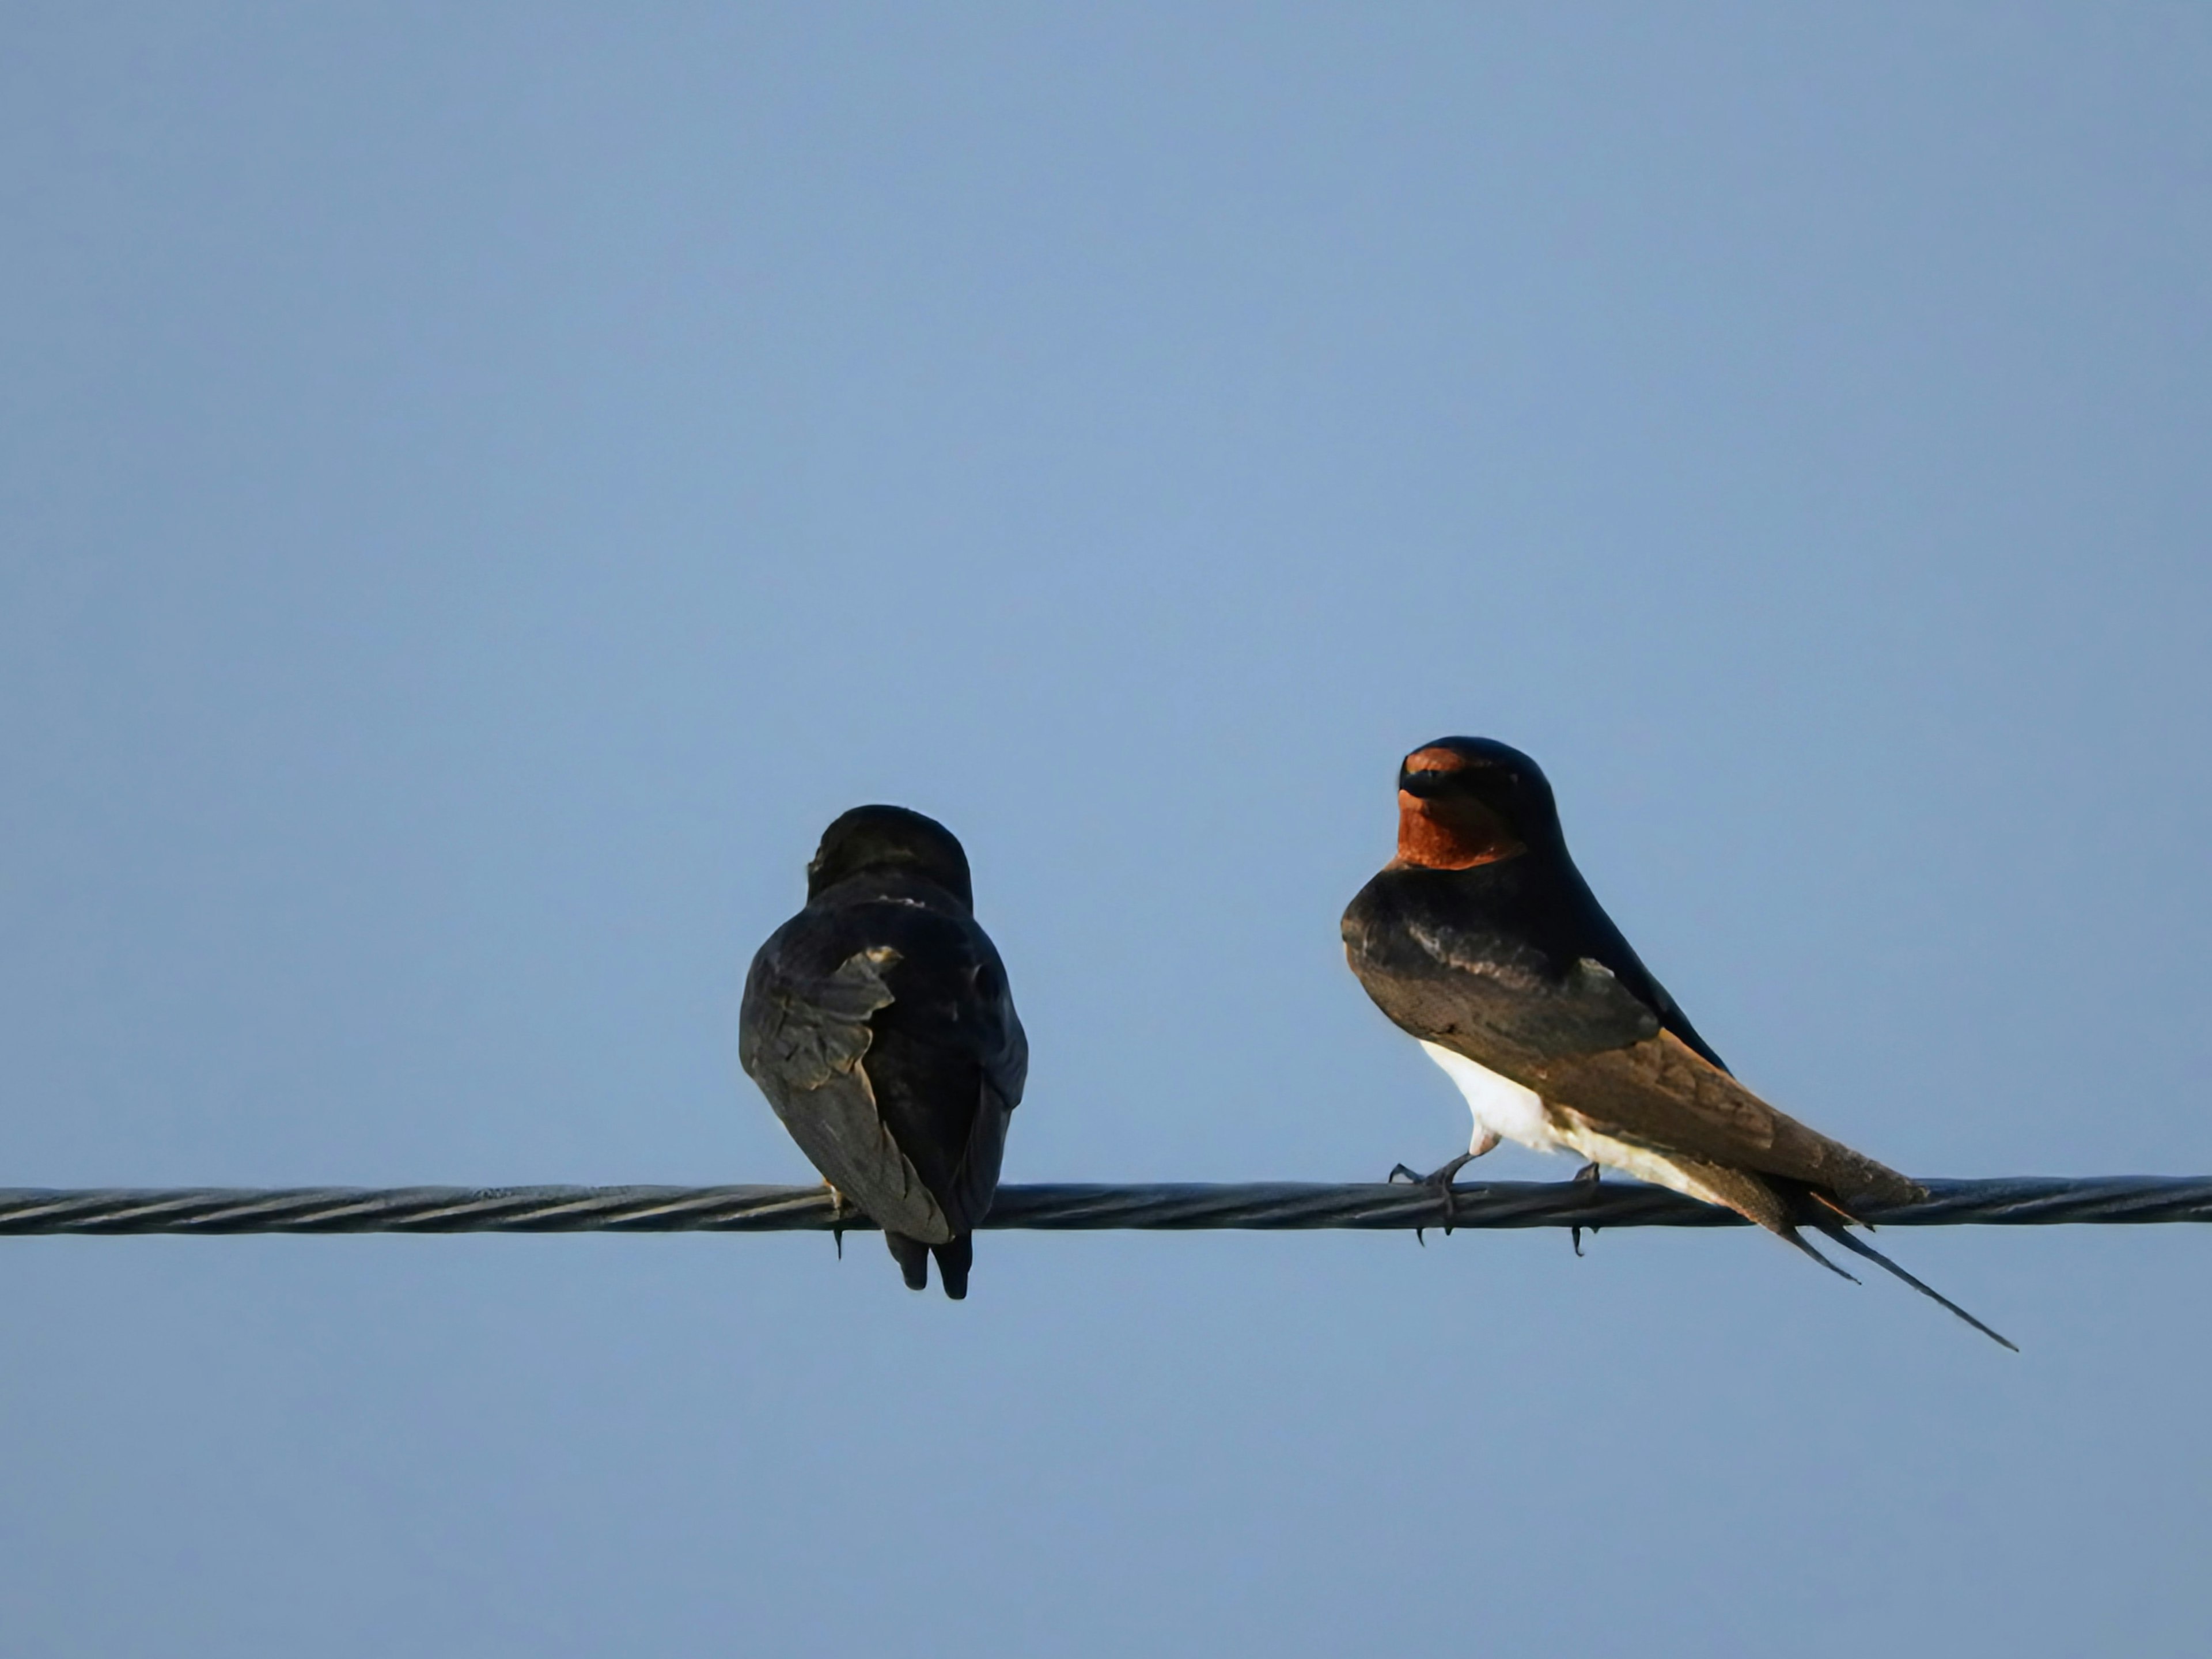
x=1507 y=1108
x=1501 y=1106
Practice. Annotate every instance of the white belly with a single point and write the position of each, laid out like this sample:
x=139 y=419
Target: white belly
x=1503 y=1107
x=1500 y=1105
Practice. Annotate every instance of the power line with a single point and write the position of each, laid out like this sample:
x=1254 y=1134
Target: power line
x=2030 y=1201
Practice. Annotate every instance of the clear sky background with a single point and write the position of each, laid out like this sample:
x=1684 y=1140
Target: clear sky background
x=481 y=487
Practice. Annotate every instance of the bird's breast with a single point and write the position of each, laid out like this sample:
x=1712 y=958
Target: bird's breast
x=1500 y=1105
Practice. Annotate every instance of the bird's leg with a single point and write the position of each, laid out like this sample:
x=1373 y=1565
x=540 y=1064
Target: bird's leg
x=1441 y=1179
x=1588 y=1173
x=836 y=1218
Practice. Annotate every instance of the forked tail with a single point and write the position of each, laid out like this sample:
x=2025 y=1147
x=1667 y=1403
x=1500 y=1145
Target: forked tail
x=1834 y=1229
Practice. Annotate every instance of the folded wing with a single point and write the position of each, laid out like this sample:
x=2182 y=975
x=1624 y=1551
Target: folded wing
x=885 y=1038
x=1597 y=1053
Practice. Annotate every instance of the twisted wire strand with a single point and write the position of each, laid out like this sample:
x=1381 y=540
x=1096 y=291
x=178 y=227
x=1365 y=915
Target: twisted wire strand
x=2014 y=1201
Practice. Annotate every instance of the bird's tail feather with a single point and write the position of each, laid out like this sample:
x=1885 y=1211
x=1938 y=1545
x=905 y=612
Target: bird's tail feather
x=1834 y=1229
x=913 y=1257
x=953 y=1261
x=1792 y=1236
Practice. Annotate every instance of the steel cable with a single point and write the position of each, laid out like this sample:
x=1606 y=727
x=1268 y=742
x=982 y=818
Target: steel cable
x=2029 y=1200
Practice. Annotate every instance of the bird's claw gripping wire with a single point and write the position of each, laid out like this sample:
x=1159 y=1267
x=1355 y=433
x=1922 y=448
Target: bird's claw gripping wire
x=1442 y=1181
x=1588 y=1173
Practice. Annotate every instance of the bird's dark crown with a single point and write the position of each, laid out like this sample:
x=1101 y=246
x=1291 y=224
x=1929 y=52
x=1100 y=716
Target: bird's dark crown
x=1474 y=800
x=884 y=839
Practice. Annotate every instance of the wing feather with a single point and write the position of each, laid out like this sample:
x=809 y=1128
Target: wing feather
x=1662 y=1094
x=1578 y=1034
x=804 y=1040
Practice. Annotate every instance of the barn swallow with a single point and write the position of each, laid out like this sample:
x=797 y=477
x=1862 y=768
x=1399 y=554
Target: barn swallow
x=1482 y=940
x=878 y=1023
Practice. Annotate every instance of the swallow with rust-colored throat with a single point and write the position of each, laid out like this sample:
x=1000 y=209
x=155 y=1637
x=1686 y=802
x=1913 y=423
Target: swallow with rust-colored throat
x=878 y=1023
x=1482 y=941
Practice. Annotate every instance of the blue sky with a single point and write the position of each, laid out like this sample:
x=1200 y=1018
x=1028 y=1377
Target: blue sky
x=478 y=493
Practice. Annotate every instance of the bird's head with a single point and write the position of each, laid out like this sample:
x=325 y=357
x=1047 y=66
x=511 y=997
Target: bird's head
x=1465 y=801
x=887 y=839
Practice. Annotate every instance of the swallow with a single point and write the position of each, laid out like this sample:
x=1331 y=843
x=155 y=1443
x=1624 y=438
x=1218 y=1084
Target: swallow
x=878 y=1023
x=1482 y=940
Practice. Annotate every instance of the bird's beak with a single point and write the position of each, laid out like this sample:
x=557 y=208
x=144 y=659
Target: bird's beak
x=1422 y=785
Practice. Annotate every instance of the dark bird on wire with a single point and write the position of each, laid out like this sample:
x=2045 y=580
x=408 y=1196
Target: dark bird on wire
x=1482 y=941
x=878 y=1023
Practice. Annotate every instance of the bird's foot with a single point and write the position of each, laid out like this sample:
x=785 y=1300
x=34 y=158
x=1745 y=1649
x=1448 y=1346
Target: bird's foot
x=836 y=1219
x=1588 y=1173
x=1442 y=1181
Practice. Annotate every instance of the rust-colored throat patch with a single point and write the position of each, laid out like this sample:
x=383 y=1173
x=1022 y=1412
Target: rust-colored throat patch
x=1452 y=835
